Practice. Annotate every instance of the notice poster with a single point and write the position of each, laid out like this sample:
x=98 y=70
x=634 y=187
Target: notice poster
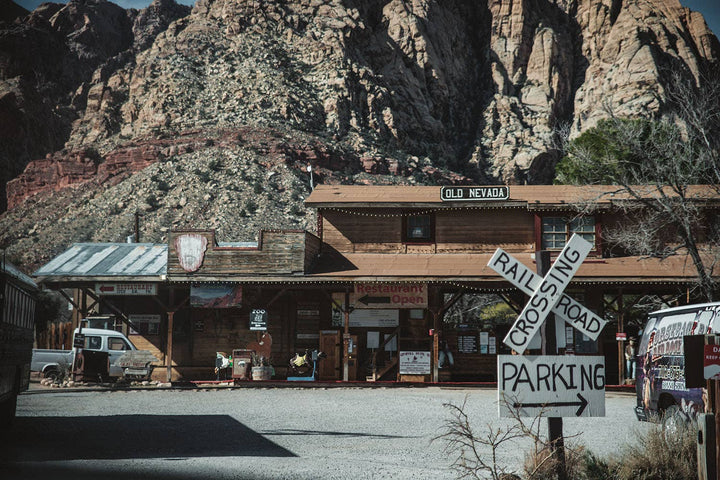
x=414 y=363
x=484 y=342
x=367 y=318
x=373 y=340
x=492 y=346
x=467 y=343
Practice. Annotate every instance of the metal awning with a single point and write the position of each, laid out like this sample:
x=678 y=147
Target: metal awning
x=107 y=261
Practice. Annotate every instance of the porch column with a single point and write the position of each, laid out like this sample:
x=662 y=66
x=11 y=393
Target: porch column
x=621 y=344
x=346 y=337
x=168 y=350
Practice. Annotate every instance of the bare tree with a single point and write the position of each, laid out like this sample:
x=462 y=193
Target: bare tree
x=658 y=166
x=476 y=456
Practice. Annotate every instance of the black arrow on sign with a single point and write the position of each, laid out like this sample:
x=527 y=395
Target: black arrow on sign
x=581 y=404
x=367 y=300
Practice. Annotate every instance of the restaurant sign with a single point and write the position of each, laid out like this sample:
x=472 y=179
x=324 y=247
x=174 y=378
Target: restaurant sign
x=126 y=288
x=474 y=194
x=383 y=295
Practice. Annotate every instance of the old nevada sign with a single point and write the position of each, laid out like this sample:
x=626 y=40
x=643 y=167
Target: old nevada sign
x=462 y=194
x=554 y=386
x=547 y=294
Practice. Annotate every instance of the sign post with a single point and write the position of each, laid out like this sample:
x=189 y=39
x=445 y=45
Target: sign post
x=555 y=423
x=550 y=385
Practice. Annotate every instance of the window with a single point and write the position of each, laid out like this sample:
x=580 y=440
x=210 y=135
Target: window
x=93 y=343
x=418 y=228
x=556 y=231
x=117 y=344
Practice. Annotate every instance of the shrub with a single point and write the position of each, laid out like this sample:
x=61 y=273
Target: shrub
x=660 y=456
x=656 y=455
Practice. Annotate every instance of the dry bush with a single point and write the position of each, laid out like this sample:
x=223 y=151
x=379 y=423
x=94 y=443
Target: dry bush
x=658 y=455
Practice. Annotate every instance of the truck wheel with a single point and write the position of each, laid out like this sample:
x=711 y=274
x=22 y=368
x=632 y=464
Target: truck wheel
x=52 y=373
x=674 y=421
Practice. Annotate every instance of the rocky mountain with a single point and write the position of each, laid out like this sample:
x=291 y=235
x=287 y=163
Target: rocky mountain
x=208 y=117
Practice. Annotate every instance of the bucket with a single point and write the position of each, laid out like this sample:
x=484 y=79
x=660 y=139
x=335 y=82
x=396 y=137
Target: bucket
x=261 y=373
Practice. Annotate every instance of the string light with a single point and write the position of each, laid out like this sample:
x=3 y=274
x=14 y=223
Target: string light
x=412 y=213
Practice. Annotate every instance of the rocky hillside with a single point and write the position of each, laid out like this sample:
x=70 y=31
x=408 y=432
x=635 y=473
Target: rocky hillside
x=207 y=118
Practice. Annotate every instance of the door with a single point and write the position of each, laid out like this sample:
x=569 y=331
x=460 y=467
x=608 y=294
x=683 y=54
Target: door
x=117 y=346
x=331 y=345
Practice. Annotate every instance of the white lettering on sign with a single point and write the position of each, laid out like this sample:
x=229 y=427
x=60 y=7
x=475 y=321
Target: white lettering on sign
x=474 y=193
x=383 y=295
x=567 y=308
x=126 y=288
x=551 y=386
x=711 y=362
x=547 y=294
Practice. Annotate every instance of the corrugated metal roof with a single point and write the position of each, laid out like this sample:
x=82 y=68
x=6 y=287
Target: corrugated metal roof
x=14 y=272
x=108 y=260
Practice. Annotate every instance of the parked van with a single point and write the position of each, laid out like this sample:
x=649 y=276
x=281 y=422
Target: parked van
x=660 y=367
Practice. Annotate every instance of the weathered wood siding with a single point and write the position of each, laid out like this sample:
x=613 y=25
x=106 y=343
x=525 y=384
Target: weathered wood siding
x=484 y=231
x=455 y=231
x=278 y=252
x=347 y=232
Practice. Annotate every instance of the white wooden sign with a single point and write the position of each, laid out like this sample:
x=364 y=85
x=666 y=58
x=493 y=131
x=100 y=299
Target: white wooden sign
x=414 y=363
x=368 y=318
x=547 y=293
x=130 y=289
x=566 y=309
x=551 y=385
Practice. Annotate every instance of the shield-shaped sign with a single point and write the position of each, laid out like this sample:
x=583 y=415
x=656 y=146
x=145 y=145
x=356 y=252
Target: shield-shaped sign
x=190 y=249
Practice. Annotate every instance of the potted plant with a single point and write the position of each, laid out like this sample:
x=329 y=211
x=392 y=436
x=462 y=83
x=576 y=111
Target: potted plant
x=261 y=368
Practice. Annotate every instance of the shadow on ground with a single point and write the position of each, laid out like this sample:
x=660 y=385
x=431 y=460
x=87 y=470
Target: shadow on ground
x=114 y=437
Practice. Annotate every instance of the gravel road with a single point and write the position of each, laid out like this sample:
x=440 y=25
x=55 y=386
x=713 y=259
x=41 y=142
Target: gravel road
x=262 y=433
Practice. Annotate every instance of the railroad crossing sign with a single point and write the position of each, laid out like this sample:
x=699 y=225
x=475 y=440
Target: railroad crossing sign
x=547 y=294
x=528 y=281
x=551 y=385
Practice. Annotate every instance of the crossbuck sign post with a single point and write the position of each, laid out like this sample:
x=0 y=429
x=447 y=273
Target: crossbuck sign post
x=555 y=386
x=546 y=295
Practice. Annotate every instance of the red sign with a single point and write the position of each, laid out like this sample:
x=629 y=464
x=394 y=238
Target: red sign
x=130 y=289
x=620 y=336
x=711 y=362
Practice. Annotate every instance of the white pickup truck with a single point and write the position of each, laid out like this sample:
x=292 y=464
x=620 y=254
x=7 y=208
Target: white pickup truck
x=51 y=363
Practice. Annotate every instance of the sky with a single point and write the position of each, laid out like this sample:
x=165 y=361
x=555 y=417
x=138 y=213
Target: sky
x=709 y=8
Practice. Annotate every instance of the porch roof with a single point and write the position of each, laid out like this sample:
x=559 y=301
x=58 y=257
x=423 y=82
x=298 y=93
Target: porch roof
x=532 y=197
x=473 y=267
x=107 y=261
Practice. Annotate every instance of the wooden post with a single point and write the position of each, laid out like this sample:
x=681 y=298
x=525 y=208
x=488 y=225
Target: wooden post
x=555 y=424
x=716 y=409
x=621 y=344
x=346 y=337
x=436 y=357
x=168 y=354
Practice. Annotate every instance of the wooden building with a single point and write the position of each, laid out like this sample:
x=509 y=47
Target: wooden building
x=370 y=287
